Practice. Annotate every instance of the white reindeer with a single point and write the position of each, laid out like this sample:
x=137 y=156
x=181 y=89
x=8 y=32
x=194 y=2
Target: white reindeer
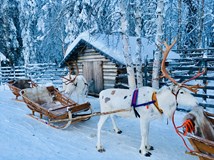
x=166 y=101
x=75 y=84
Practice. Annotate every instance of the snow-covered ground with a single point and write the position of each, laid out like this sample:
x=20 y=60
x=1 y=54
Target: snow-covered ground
x=23 y=138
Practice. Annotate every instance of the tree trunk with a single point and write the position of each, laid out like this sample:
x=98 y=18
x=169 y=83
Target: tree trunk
x=179 y=25
x=201 y=24
x=127 y=55
x=138 y=28
x=158 y=38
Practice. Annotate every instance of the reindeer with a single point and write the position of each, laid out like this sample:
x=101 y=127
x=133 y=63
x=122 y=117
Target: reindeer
x=75 y=83
x=164 y=101
x=198 y=123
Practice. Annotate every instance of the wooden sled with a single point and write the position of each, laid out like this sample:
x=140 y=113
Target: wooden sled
x=17 y=85
x=203 y=148
x=54 y=108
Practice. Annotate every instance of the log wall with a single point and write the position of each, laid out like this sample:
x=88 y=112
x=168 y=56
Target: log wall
x=109 y=69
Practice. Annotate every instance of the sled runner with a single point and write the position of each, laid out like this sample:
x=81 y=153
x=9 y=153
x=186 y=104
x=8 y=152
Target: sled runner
x=54 y=108
x=17 y=85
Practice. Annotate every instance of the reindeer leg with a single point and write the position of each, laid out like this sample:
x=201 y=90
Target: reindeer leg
x=148 y=147
x=144 y=137
x=99 y=127
x=116 y=129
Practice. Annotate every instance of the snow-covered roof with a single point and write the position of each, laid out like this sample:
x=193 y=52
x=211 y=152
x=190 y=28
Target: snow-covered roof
x=111 y=47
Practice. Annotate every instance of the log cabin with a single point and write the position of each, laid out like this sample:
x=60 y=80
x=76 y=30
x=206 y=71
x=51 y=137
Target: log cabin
x=101 y=61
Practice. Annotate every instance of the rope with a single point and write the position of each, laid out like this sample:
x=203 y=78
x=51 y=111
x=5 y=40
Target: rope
x=135 y=105
x=189 y=127
x=180 y=135
x=110 y=112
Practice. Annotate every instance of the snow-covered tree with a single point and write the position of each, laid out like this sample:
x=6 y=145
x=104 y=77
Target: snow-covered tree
x=191 y=32
x=33 y=30
x=10 y=37
x=27 y=23
x=208 y=24
x=170 y=21
x=149 y=18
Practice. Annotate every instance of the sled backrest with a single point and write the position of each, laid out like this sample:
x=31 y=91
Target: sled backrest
x=22 y=83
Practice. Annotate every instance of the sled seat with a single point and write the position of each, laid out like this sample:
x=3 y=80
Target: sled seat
x=50 y=102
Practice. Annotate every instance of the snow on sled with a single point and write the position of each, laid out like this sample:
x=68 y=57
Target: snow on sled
x=54 y=108
x=17 y=85
x=203 y=147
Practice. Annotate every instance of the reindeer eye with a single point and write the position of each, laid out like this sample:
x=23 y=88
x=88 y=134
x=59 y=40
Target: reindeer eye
x=182 y=92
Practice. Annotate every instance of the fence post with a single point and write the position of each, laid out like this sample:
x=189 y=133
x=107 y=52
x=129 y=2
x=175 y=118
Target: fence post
x=14 y=76
x=204 y=63
x=25 y=67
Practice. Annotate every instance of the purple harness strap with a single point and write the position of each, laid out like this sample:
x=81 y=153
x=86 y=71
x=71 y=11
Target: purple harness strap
x=134 y=103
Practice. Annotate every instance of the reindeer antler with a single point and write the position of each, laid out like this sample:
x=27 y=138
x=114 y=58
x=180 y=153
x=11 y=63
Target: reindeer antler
x=196 y=76
x=163 y=67
x=70 y=71
x=193 y=88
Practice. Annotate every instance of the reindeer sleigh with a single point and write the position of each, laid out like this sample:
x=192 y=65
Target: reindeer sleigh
x=54 y=108
x=17 y=85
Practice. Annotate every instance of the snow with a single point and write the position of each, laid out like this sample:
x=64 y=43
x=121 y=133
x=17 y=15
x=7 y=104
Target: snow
x=41 y=25
x=24 y=138
x=2 y=57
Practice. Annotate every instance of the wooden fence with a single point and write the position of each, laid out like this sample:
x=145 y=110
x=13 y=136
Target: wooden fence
x=186 y=68
x=39 y=73
x=180 y=69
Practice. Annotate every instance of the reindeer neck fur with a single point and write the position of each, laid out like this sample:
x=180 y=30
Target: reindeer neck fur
x=166 y=101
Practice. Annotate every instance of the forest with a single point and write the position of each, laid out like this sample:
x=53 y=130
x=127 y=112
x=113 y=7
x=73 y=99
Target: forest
x=36 y=31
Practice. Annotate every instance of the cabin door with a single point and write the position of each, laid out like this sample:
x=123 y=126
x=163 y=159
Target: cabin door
x=93 y=72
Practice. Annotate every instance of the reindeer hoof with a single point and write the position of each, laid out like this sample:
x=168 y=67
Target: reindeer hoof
x=119 y=132
x=101 y=149
x=148 y=154
x=151 y=148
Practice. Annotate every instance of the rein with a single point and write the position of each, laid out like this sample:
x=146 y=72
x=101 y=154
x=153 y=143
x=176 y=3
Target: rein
x=184 y=125
x=179 y=133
